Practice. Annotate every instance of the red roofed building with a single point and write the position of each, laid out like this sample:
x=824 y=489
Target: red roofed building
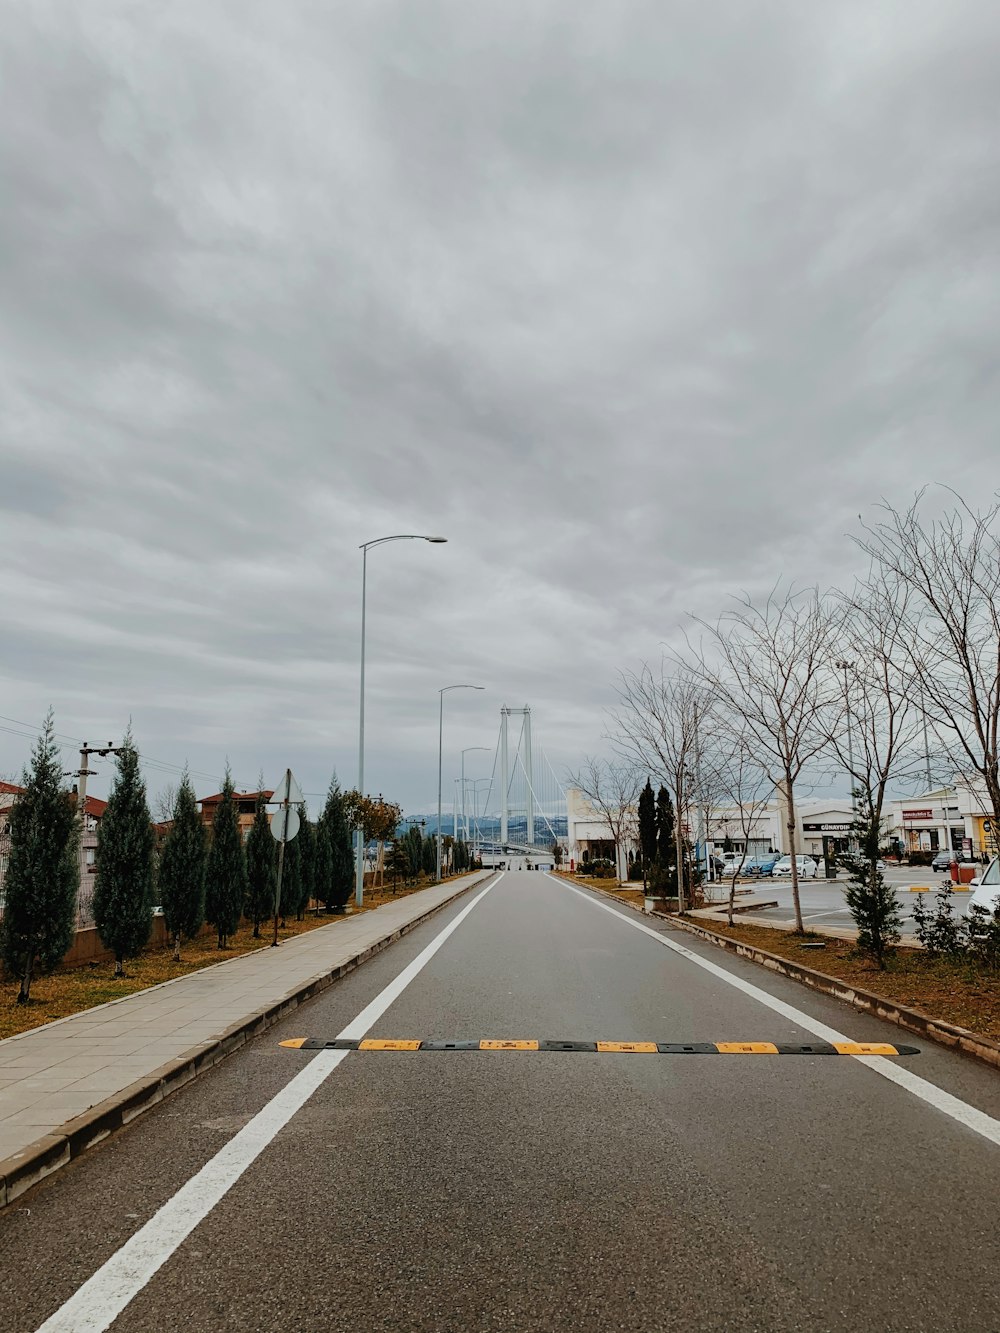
x=246 y=808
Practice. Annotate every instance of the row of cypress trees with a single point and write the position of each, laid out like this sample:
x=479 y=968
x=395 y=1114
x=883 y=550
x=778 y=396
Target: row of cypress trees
x=201 y=876
x=657 y=845
x=415 y=852
x=220 y=881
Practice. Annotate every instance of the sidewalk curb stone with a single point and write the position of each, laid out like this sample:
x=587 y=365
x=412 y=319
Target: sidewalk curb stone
x=51 y=1152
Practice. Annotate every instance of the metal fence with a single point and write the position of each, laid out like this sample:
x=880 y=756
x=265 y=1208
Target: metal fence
x=87 y=864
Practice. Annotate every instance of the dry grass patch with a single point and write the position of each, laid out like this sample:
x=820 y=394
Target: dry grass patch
x=953 y=990
x=70 y=992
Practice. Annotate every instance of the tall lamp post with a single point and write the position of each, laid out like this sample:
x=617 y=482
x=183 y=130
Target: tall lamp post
x=476 y=783
x=441 y=693
x=845 y=667
x=468 y=750
x=359 y=881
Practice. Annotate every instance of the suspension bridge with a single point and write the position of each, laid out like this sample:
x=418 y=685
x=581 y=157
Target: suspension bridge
x=524 y=806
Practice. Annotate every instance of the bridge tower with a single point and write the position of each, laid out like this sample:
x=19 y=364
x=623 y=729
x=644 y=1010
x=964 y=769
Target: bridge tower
x=505 y=776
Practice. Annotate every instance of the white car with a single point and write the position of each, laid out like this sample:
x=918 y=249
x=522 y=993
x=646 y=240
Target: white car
x=986 y=887
x=805 y=864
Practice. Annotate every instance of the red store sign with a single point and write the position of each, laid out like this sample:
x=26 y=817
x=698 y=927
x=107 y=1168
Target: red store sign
x=918 y=814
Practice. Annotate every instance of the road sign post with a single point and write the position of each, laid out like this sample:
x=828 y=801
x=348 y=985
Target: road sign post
x=284 y=827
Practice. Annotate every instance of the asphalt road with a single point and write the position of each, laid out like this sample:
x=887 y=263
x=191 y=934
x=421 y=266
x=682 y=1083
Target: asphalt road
x=520 y=1190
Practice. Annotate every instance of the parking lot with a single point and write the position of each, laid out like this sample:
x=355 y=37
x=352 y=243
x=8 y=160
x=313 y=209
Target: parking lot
x=823 y=905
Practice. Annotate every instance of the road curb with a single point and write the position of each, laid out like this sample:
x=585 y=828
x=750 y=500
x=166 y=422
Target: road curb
x=963 y=1040
x=53 y=1151
x=934 y=1029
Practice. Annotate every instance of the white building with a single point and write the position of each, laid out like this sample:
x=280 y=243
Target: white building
x=822 y=826
x=589 y=835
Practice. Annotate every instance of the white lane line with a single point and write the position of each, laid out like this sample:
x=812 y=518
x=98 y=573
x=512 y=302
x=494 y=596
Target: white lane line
x=100 y=1300
x=978 y=1121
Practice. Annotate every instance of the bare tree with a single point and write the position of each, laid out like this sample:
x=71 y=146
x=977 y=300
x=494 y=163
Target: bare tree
x=951 y=568
x=656 y=727
x=770 y=669
x=164 y=802
x=613 y=791
x=748 y=788
x=874 y=722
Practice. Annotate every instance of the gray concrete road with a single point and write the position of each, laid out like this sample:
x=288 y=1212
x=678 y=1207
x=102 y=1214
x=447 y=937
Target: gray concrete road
x=520 y=1190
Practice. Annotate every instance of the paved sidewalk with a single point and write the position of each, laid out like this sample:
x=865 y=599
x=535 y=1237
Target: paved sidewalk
x=67 y=1085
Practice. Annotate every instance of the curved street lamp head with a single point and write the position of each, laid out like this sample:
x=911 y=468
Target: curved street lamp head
x=402 y=537
x=445 y=688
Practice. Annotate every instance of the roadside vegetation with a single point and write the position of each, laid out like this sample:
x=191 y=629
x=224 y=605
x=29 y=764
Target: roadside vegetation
x=194 y=873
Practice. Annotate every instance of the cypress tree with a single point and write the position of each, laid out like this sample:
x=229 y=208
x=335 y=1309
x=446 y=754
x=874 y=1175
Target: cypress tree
x=123 y=891
x=647 y=828
x=398 y=863
x=182 y=869
x=428 y=858
x=666 y=847
x=43 y=877
x=322 y=862
x=291 y=879
x=226 y=873
x=341 y=881
x=415 y=848
x=262 y=868
x=871 y=902
x=307 y=862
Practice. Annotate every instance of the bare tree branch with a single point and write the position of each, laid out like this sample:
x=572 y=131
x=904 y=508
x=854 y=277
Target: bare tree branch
x=950 y=567
x=770 y=675
x=613 y=792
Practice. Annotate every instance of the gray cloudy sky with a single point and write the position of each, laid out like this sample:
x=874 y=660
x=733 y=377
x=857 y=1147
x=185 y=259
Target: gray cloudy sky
x=637 y=303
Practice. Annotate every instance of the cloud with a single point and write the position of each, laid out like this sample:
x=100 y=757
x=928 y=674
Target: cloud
x=639 y=305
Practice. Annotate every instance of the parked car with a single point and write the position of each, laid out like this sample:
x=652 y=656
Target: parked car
x=943 y=860
x=805 y=864
x=986 y=888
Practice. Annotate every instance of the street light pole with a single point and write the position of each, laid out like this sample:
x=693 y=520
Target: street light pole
x=845 y=667
x=465 y=819
x=359 y=879
x=441 y=693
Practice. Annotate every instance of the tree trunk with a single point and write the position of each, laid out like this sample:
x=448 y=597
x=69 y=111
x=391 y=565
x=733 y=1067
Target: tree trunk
x=790 y=807
x=119 y=967
x=25 y=990
x=177 y=946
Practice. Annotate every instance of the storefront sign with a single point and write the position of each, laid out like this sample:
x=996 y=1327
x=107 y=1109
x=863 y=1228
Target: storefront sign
x=827 y=828
x=918 y=814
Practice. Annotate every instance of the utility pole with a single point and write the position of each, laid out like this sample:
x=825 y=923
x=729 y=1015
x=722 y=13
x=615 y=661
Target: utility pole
x=85 y=771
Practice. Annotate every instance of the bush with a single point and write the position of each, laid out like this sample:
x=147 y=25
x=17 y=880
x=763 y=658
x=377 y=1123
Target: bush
x=599 y=868
x=920 y=858
x=984 y=935
x=940 y=931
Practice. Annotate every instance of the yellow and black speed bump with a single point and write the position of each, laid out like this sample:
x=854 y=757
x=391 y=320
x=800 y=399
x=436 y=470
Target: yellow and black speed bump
x=602 y=1047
